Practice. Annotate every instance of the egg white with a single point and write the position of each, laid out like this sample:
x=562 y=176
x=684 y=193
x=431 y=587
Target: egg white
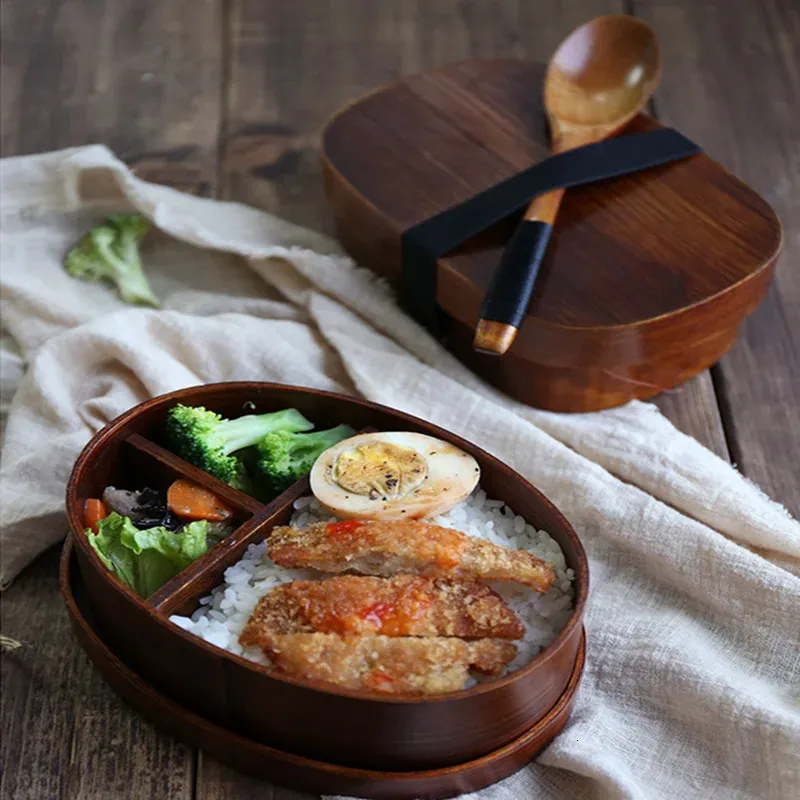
x=451 y=476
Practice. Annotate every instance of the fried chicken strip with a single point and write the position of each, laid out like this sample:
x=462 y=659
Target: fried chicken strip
x=413 y=546
x=405 y=605
x=391 y=665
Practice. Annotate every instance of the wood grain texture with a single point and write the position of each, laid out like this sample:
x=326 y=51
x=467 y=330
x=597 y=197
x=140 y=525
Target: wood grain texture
x=732 y=85
x=294 y=62
x=402 y=150
x=692 y=408
x=627 y=302
x=218 y=781
x=65 y=733
x=140 y=76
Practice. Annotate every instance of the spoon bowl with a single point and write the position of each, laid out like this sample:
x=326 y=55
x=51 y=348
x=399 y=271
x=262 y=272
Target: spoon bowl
x=602 y=74
x=599 y=79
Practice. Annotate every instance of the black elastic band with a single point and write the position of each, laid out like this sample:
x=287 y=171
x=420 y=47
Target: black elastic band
x=430 y=239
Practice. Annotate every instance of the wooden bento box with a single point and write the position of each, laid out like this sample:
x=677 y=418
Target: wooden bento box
x=647 y=276
x=353 y=730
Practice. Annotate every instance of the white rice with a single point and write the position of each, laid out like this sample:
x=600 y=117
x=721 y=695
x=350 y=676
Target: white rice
x=222 y=615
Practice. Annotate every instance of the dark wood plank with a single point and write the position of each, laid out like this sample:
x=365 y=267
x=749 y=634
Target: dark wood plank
x=65 y=733
x=216 y=781
x=692 y=408
x=142 y=77
x=294 y=62
x=731 y=83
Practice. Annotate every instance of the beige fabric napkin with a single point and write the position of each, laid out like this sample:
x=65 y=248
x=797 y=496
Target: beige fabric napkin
x=692 y=685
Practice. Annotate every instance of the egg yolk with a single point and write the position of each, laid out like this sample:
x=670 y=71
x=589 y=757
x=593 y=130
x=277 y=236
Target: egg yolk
x=380 y=470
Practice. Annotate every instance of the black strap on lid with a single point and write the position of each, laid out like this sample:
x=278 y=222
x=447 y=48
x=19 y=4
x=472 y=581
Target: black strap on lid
x=430 y=239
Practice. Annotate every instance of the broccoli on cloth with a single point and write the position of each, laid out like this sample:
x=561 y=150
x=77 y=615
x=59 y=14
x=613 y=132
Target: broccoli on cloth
x=285 y=457
x=207 y=440
x=111 y=251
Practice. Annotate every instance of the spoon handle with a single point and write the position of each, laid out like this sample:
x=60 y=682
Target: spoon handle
x=510 y=291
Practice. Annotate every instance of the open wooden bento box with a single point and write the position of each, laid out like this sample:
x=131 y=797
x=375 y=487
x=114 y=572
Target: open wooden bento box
x=349 y=732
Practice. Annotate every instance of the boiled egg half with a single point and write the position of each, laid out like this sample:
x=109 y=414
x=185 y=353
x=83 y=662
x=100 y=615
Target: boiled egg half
x=392 y=475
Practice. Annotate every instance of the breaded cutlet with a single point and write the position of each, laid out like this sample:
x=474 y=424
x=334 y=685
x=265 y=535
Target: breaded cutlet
x=404 y=546
x=387 y=664
x=404 y=605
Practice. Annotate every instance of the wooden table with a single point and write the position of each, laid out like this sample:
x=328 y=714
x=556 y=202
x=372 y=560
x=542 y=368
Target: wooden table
x=225 y=98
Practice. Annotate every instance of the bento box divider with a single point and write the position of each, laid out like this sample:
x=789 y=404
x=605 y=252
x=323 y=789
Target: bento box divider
x=180 y=594
x=233 y=497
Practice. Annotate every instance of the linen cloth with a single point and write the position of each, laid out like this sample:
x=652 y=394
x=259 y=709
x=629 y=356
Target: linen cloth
x=692 y=682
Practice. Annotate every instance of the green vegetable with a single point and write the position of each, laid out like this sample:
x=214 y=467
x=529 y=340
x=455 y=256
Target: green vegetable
x=284 y=457
x=111 y=252
x=146 y=559
x=209 y=441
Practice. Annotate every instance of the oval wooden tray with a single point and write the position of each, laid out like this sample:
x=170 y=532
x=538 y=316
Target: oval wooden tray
x=358 y=729
x=646 y=279
x=288 y=769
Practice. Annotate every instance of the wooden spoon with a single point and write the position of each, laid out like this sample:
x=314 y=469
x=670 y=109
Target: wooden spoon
x=600 y=77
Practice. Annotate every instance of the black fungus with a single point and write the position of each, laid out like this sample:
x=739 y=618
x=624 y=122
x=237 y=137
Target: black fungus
x=151 y=511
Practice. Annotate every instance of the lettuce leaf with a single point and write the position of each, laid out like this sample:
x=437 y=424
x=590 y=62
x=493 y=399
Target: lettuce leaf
x=145 y=560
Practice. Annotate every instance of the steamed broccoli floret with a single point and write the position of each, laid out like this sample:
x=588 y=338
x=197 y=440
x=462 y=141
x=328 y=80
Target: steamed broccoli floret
x=208 y=441
x=284 y=457
x=111 y=251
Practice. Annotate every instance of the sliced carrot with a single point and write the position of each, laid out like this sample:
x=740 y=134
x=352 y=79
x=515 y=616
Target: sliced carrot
x=190 y=501
x=93 y=511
